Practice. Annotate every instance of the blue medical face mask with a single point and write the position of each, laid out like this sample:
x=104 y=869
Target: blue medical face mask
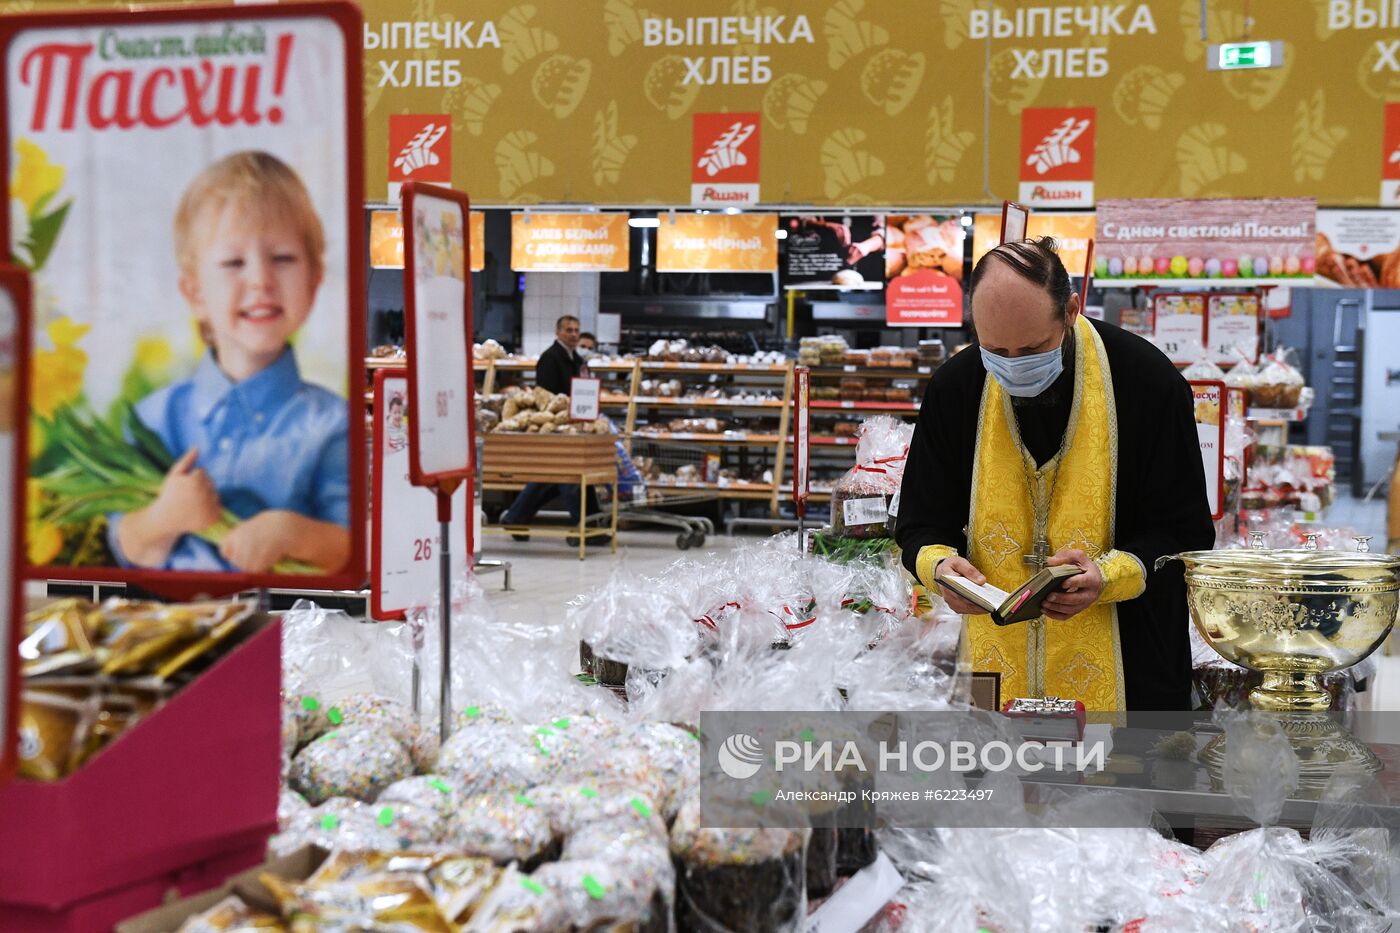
x=1026 y=376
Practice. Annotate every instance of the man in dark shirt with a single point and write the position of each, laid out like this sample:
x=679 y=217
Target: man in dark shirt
x=559 y=364
x=556 y=369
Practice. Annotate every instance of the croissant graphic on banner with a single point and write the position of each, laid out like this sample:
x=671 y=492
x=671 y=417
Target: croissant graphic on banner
x=418 y=152
x=726 y=151
x=420 y=148
x=1057 y=148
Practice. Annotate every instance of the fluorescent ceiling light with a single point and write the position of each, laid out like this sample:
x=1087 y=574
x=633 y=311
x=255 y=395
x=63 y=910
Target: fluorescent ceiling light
x=966 y=220
x=731 y=210
x=644 y=222
x=781 y=233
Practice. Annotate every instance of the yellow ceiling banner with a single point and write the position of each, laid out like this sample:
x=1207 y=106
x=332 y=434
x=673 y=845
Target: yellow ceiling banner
x=866 y=103
x=568 y=242
x=871 y=102
x=1072 y=233
x=717 y=243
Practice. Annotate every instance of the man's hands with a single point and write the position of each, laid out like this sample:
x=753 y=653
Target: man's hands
x=1077 y=593
x=963 y=568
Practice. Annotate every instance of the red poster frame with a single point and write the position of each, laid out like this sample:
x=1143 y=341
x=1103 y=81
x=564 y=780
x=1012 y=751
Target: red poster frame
x=1220 y=445
x=443 y=479
x=1006 y=208
x=16 y=282
x=376 y=551
x=801 y=438
x=347 y=17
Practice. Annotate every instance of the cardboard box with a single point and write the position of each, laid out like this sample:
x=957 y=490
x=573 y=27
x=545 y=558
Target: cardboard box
x=167 y=919
x=178 y=802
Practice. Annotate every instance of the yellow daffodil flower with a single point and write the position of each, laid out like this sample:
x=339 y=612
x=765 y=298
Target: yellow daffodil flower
x=45 y=543
x=34 y=176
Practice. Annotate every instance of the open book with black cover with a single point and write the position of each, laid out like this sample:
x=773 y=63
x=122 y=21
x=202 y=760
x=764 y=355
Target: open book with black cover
x=1020 y=604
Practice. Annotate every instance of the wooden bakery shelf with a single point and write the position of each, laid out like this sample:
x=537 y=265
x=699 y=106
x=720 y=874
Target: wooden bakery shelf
x=771 y=369
x=873 y=372
x=698 y=438
x=509 y=460
x=665 y=401
x=831 y=405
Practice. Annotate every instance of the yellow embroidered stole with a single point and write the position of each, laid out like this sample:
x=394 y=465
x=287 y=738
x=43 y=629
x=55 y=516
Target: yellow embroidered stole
x=1079 y=658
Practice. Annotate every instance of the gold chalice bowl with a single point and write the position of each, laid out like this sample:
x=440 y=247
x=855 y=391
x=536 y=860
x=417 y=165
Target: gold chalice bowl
x=1294 y=615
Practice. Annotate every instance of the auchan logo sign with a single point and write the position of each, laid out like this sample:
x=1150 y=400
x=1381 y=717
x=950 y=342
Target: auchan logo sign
x=1057 y=156
x=724 y=160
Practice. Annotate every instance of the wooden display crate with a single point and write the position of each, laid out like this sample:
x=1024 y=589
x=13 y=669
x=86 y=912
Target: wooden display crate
x=509 y=457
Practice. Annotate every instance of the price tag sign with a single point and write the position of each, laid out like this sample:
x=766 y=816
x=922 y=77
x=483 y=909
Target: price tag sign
x=1211 y=412
x=802 y=431
x=404 y=528
x=1179 y=327
x=1014 y=221
x=14 y=410
x=1233 y=322
x=584 y=392
x=437 y=333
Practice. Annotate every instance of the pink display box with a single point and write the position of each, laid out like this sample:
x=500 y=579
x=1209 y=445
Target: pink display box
x=185 y=798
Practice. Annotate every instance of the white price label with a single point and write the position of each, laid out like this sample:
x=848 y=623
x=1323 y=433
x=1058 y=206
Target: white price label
x=868 y=511
x=584 y=393
x=405 y=530
x=848 y=404
x=439 y=346
x=849 y=368
x=894 y=503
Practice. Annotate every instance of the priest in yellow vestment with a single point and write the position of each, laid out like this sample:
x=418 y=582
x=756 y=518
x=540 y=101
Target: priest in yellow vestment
x=1060 y=440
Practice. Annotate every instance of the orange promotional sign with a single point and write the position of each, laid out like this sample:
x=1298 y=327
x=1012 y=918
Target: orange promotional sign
x=717 y=243
x=1057 y=156
x=1072 y=233
x=386 y=240
x=476 y=241
x=568 y=242
x=1390 y=157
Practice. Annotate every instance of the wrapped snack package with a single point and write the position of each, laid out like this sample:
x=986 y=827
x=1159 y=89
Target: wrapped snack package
x=598 y=893
x=504 y=827
x=519 y=903
x=429 y=791
x=230 y=915
x=290 y=805
x=349 y=762
x=863 y=500
x=394 y=903
x=1279 y=384
x=496 y=757
x=738 y=879
x=375 y=712
x=340 y=823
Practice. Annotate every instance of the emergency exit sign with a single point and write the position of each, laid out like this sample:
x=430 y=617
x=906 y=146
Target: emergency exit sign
x=1230 y=56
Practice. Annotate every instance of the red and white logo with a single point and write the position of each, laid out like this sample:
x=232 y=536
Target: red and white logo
x=724 y=159
x=420 y=148
x=1390 y=157
x=1057 y=157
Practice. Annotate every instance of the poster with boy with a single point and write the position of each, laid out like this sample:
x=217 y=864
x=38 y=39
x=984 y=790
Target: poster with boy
x=403 y=521
x=185 y=189
x=14 y=336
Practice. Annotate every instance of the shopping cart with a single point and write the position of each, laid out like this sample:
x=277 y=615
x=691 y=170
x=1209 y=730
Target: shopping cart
x=668 y=474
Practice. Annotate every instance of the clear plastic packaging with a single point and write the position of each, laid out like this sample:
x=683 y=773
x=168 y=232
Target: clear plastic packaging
x=862 y=502
x=738 y=880
x=353 y=762
x=503 y=827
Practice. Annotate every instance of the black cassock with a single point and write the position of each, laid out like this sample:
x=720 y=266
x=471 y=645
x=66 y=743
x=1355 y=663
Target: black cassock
x=1161 y=509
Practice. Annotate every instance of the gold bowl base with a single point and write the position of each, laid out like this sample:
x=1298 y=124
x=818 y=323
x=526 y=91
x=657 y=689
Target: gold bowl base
x=1324 y=749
